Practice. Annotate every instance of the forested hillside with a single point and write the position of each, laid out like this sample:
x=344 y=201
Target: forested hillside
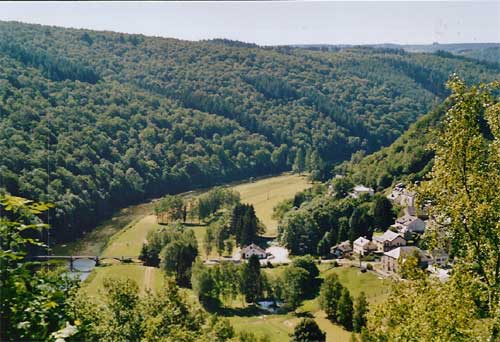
x=93 y=121
x=408 y=158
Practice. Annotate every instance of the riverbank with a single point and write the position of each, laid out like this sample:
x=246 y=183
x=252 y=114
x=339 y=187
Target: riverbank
x=264 y=193
x=125 y=232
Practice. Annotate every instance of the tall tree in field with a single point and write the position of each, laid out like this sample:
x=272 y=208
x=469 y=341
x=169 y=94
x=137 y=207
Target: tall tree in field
x=244 y=224
x=251 y=280
x=316 y=166
x=308 y=331
x=308 y=263
x=344 y=309
x=360 y=310
x=299 y=164
x=293 y=284
x=329 y=296
x=178 y=257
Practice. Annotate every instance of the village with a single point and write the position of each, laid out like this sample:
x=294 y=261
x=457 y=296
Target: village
x=383 y=254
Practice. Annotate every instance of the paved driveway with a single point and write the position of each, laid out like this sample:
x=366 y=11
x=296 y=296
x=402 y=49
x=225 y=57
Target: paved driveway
x=280 y=255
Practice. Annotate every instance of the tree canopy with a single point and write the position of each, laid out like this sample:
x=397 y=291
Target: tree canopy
x=94 y=121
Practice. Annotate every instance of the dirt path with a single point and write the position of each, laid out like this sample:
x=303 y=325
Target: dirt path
x=147 y=278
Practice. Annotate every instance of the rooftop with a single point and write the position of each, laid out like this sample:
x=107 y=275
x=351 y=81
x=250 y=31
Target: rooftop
x=389 y=235
x=403 y=251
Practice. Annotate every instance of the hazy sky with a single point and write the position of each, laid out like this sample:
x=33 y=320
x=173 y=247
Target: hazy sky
x=270 y=23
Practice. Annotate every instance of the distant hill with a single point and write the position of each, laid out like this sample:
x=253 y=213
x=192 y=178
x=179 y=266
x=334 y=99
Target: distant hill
x=94 y=121
x=489 y=52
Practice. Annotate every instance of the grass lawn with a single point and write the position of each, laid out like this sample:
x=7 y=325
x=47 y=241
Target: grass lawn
x=128 y=242
x=279 y=326
x=375 y=288
x=266 y=193
x=145 y=277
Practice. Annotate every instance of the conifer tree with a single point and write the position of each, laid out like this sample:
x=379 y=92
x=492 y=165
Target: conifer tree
x=360 y=310
x=299 y=163
x=344 y=309
x=251 y=279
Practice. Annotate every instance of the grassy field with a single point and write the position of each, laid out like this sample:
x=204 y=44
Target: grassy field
x=277 y=327
x=125 y=232
x=95 y=242
x=266 y=193
x=146 y=277
x=128 y=242
x=375 y=288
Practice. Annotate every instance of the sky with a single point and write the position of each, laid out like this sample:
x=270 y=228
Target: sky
x=275 y=23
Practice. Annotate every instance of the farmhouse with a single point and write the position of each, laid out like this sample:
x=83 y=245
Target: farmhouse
x=363 y=246
x=389 y=240
x=391 y=259
x=409 y=224
x=253 y=249
x=341 y=250
x=361 y=189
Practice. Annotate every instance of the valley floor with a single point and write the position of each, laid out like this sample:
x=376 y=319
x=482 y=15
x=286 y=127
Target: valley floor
x=124 y=234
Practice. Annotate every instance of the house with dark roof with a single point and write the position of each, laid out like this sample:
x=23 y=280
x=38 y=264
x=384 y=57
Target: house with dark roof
x=342 y=249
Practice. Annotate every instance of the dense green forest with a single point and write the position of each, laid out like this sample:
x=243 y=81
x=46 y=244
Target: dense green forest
x=408 y=158
x=93 y=121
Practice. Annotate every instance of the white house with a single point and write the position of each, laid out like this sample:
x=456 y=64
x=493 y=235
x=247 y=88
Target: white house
x=253 y=249
x=389 y=240
x=363 y=246
x=361 y=189
x=409 y=224
x=342 y=249
x=391 y=259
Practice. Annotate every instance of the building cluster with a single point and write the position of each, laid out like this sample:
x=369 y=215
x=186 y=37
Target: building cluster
x=393 y=245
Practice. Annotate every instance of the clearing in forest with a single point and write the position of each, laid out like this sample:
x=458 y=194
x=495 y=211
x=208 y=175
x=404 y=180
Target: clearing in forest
x=266 y=193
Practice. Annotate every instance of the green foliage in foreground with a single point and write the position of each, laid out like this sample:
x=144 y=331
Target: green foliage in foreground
x=463 y=193
x=33 y=303
x=165 y=315
x=464 y=182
